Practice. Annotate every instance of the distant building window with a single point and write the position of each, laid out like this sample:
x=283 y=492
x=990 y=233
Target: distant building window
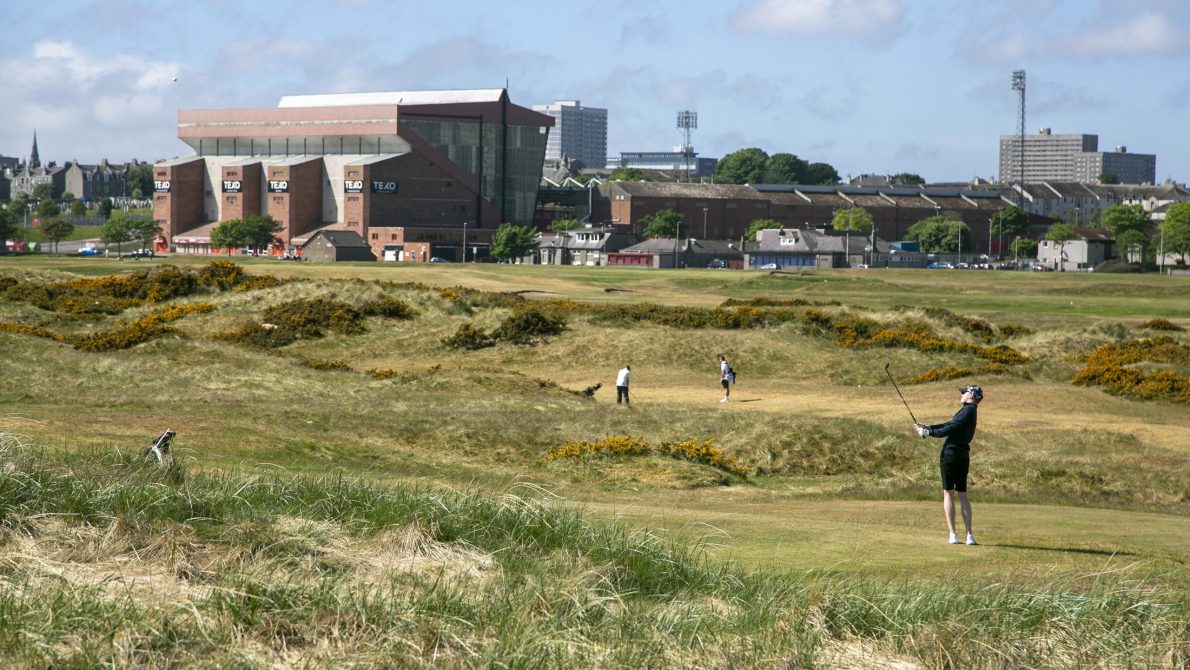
x=278 y=200
x=353 y=198
x=231 y=200
x=375 y=236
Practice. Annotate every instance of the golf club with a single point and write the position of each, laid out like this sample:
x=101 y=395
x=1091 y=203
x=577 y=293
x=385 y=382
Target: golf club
x=894 y=383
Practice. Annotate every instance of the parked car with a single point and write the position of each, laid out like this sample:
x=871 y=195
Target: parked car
x=435 y=259
x=142 y=253
x=89 y=251
x=717 y=264
x=769 y=266
x=940 y=265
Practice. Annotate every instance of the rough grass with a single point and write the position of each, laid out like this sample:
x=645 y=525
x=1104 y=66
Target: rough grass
x=107 y=560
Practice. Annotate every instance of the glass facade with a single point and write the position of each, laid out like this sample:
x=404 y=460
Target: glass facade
x=511 y=174
x=330 y=145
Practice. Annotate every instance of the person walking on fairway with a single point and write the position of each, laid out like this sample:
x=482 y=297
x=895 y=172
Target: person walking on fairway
x=955 y=458
x=622 y=384
x=726 y=377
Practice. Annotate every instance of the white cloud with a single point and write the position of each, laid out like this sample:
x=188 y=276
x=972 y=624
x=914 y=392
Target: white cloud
x=86 y=105
x=872 y=20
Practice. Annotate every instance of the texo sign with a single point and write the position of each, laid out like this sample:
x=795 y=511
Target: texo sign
x=161 y=186
x=381 y=186
x=353 y=186
x=278 y=186
x=231 y=185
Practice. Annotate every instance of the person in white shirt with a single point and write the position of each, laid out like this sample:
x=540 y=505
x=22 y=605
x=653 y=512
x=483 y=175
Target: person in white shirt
x=726 y=376
x=622 y=384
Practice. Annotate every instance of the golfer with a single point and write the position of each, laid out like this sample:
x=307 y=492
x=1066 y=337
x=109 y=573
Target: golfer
x=955 y=458
x=622 y=378
x=725 y=377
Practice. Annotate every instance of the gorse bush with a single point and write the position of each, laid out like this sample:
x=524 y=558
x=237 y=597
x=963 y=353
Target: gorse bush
x=468 y=336
x=1161 y=324
x=294 y=320
x=221 y=274
x=528 y=324
x=308 y=317
x=975 y=327
x=140 y=330
x=35 y=331
x=389 y=308
x=113 y=294
x=1115 y=368
x=623 y=446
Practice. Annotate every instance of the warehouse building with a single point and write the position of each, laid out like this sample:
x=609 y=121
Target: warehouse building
x=454 y=163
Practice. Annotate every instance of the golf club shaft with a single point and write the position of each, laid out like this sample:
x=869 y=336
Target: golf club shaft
x=894 y=383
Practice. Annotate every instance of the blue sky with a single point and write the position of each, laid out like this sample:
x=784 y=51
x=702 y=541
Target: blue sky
x=869 y=86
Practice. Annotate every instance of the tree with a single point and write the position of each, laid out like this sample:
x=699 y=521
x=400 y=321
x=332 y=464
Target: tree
x=784 y=168
x=1011 y=220
x=48 y=207
x=759 y=225
x=117 y=230
x=260 y=231
x=43 y=191
x=67 y=198
x=105 y=207
x=1133 y=245
x=78 y=208
x=144 y=232
x=1120 y=219
x=513 y=241
x=139 y=180
x=630 y=174
x=1061 y=233
x=1023 y=246
x=851 y=220
x=1175 y=231
x=559 y=225
x=7 y=226
x=746 y=166
x=56 y=230
x=822 y=174
x=1108 y=178
x=940 y=235
x=19 y=205
x=229 y=235
x=666 y=223
x=906 y=179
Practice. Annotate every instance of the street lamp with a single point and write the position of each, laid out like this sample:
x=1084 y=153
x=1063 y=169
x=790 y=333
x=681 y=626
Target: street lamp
x=464 y=241
x=704 y=222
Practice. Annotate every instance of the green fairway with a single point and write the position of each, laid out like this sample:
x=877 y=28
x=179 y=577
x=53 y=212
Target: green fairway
x=1075 y=489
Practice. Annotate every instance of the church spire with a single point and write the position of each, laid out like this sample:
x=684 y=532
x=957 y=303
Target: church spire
x=34 y=159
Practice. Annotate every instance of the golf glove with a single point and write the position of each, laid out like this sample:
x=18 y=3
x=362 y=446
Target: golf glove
x=923 y=431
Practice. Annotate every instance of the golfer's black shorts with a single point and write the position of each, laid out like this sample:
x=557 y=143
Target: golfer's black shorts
x=954 y=463
x=724 y=382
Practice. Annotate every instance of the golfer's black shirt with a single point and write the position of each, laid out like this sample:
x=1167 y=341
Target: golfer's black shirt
x=959 y=430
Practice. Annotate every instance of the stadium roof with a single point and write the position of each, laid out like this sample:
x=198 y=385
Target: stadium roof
x=393 y=98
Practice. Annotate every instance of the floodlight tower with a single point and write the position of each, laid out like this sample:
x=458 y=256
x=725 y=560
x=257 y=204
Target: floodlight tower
x=1018 y=85
x=687 y=122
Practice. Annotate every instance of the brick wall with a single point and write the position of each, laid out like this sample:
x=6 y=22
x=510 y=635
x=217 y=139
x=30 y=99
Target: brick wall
x=178 y=196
